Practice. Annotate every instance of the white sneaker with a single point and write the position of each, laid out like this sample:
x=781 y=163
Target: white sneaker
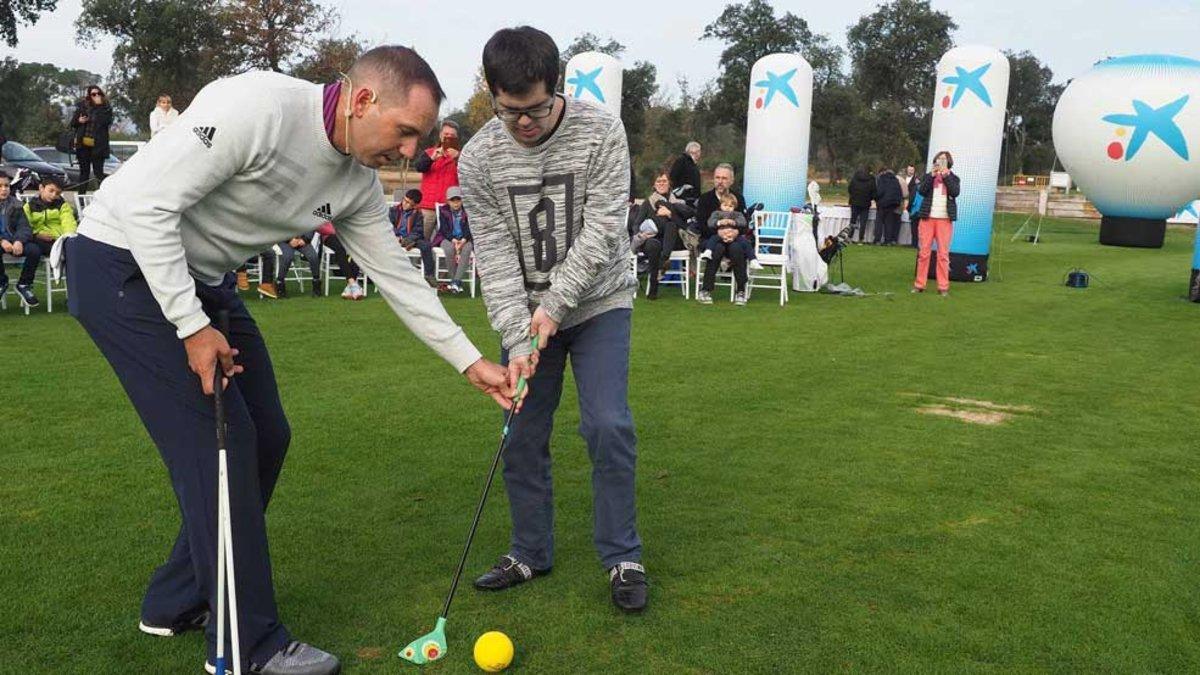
x=704 y=298
x=348 y=292
x=755 y=265
x=739 y=299
x=707 y=255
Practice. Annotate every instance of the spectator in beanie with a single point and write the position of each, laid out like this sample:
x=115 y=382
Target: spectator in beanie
x=454 y=236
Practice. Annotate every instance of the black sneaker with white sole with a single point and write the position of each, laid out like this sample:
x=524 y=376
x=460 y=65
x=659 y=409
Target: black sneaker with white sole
x=298 y=658
x=26 y=293
x=506 y=573
x=629 y=586
x=195 y=620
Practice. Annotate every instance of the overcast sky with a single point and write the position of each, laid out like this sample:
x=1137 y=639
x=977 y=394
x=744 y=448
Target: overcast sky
x=1068 y=35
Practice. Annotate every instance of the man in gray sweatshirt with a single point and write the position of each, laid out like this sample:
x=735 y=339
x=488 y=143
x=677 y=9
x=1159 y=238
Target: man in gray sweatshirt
x=546 y=183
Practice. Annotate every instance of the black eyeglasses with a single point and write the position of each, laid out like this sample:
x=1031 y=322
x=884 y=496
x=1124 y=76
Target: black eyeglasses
x=537 y=112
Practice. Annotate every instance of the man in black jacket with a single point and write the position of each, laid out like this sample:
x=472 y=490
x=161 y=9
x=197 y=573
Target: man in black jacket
x=711 y=201
x=686 y=170
x=888 y=197
x=862 y=191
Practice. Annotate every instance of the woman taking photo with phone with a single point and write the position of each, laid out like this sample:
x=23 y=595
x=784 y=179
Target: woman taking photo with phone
x=939 y=190
x=93 y=116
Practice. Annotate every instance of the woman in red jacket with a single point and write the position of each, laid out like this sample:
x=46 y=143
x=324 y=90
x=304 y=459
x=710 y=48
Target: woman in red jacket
x=439 y=170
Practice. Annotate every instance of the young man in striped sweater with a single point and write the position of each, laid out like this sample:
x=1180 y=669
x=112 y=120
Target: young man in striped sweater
x=546 y=183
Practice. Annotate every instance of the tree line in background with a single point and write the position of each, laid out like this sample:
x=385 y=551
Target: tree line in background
x=871 y=100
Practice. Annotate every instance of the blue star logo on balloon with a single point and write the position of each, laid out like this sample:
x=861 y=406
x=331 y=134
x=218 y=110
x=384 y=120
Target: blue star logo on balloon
x=586 y=82
x=776 y=84
x=964 y=80
x=1190 y=209
x=1146 y=120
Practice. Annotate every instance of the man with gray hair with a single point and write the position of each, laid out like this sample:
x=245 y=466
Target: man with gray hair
x=710 y=201
x=256 y=159
x=686 y=169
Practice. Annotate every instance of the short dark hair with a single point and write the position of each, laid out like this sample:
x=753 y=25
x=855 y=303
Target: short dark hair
x=452 y=124
x=414 y=194
x=53 y=179
x=949 y=158
x=4 y=175
x=398 y=69
x=516 y=59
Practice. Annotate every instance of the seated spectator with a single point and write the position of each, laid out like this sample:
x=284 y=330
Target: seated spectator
x=643 y=239
x=16 y=239
x=50 y=216
x=408 y=224
x=710 y=201
x=439 y=169
x=670 y=215
x=347 y=268
x=276 y=267
x=454 y=236
x=727 y=243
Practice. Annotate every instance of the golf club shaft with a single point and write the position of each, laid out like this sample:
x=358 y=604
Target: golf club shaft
x=487 y=486
x=226 y=586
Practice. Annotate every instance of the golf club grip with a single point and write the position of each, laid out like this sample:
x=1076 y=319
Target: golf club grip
x=218 y=397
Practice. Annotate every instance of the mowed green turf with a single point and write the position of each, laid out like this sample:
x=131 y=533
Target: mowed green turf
x=798 y=514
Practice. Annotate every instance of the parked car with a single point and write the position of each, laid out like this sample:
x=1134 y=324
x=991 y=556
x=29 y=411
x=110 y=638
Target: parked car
x=15 y=156
x=70 y=163
x=123 y=150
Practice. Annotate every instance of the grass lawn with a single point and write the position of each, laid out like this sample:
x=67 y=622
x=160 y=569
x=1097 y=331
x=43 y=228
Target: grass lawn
x=799 y=513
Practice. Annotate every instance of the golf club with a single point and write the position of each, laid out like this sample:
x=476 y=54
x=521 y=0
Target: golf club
x=432 y=645
x=224 y=529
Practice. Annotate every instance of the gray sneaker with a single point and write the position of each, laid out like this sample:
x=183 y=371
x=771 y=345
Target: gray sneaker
x=298 y=658
x=704 y=298
x=740 y=299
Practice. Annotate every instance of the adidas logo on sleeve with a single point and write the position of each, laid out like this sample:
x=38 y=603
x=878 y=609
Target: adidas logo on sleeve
x=324 y=212
x=205 y=134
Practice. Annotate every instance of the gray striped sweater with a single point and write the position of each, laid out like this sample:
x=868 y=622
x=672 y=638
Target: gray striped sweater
x=549 y=222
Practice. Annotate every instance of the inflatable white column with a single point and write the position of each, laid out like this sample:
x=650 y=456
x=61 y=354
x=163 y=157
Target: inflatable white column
x=1128 y=131
x=1194 y=286
x=777 y=131
x=594 y=77
x=968 y=120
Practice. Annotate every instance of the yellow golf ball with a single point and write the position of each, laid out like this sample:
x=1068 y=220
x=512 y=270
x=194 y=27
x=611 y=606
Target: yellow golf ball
x=493 y=651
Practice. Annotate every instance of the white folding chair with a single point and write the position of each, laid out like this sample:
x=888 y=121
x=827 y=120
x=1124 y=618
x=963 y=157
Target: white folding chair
x=327 y=267
x=676 y=276
x=14 y=261
x=724 y=277
x=82 y=202
x=772 y=232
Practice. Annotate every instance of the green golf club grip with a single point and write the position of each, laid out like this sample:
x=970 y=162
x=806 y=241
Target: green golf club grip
x=521 y=380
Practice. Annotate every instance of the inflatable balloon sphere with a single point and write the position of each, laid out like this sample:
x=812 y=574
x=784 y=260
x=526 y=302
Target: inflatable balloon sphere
x=1128 y=131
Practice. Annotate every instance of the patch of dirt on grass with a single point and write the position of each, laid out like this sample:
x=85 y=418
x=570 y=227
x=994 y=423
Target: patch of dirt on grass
x=369 y=653
x=985 y=417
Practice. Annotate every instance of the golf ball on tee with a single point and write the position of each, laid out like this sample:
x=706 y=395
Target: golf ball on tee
x=493 y=651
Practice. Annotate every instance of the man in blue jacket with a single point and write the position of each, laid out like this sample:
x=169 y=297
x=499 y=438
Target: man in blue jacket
x=15 y=235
